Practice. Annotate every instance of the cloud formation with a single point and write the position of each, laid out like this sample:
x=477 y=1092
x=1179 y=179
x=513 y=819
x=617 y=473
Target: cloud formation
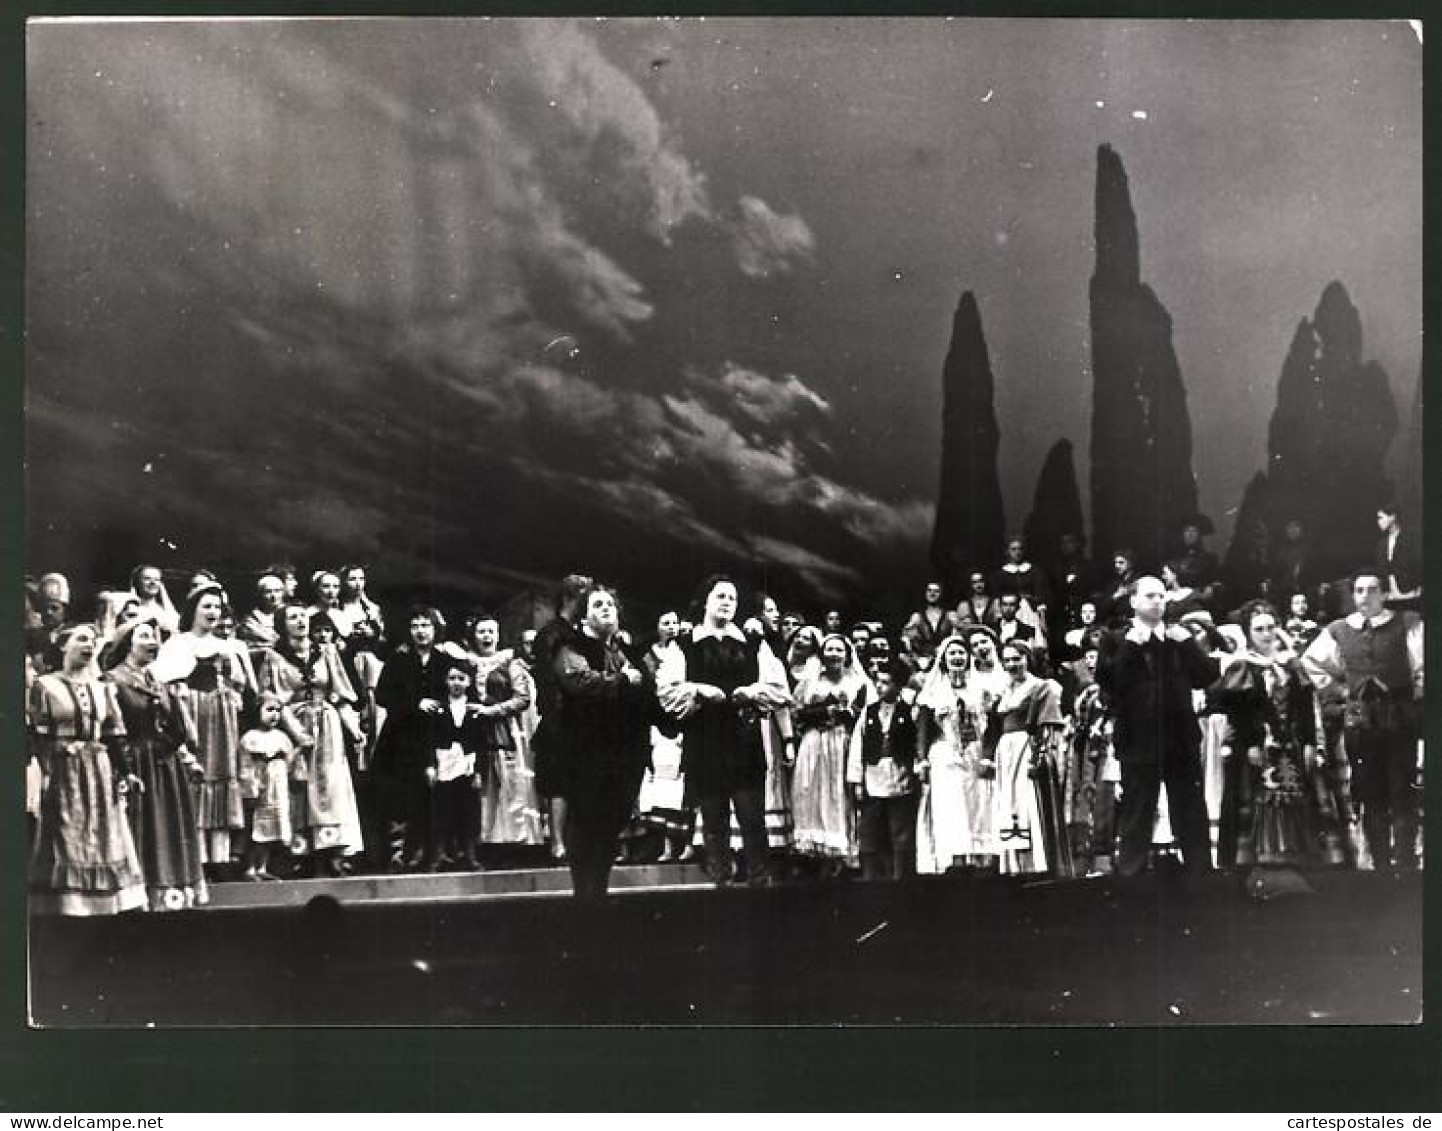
x=600 y=100
x=768 y=243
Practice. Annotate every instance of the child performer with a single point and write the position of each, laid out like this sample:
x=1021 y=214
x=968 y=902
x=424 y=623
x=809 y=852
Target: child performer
x=880 y=771
x=266 y=785
x=459 y=736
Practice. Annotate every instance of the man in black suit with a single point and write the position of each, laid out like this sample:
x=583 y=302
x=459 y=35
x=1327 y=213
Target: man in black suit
x=1009 y=626
x=1148 y=673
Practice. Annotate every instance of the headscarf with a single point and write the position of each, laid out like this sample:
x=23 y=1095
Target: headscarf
x=936 y=691
x=811 y=666
x=853 y=682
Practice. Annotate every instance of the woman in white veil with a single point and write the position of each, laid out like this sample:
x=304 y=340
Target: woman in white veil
x=955 y=822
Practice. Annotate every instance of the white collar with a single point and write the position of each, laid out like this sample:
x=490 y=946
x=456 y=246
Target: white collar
x=704 y=632
x=1015 y=567
x=1140 y=633
x=1358 y=621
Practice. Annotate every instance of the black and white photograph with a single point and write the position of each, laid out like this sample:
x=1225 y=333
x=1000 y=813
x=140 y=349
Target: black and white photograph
x=723 y=521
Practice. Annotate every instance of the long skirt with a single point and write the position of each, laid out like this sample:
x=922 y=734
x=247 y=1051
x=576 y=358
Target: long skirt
x=1292 y=820
x=1018 y=812
x=825 y=821
x=219 y=811
x=84 y=861
x=332 y=817
x=163 y=824
x=510 y=806
x=955 y=823
x=661 y=802
x=780 y=819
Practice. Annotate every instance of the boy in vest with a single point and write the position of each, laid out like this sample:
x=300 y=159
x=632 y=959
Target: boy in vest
x=879 y=771
x=1372 y=661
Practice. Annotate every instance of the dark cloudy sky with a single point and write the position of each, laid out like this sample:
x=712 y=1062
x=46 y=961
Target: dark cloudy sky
x=493 y=299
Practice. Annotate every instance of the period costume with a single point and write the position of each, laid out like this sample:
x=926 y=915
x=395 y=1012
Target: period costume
x=723 y=753
x=272 y=755
x=882 y=762
x=1374 y=666
x=1273 y=723
x=84 y=861
x=1024 y=737
x=315 y=688
x=826 y=711
x=956 y=821
x=1089 y=785
x=162 y=817
x=207 y=676
x=510 y=805
x=661 y=802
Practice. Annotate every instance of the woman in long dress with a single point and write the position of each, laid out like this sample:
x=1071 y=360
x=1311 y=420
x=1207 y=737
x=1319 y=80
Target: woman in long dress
x=954 y=827
x=162 y=816
x=208 y=677
x=1269 y=704
x=827 y=707
x=84 y=861
x=510 y=805
x=305 y=672
x=1026 y=727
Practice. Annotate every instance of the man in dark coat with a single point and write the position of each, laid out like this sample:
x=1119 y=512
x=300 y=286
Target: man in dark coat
x=1148 y=674
x=411 y=690
x=602 y=739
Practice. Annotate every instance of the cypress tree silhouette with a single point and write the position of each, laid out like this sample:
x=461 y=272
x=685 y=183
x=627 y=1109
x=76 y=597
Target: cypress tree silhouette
x=1142 y=485
x=1329 y=435
x=969 y=521
x=1056 y=507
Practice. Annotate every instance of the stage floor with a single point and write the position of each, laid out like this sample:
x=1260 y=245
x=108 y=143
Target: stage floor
x=1167 y=951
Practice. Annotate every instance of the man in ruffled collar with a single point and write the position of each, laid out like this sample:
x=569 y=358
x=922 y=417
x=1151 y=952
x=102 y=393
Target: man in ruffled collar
x=1372 y=662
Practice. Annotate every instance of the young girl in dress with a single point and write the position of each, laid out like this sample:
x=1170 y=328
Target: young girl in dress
x=269 y=751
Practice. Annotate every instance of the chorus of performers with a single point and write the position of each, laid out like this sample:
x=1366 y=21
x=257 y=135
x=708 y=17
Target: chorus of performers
x=1065 y=723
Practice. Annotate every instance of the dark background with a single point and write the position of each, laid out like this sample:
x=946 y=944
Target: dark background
x=1304 y=1070
x=478 y=302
